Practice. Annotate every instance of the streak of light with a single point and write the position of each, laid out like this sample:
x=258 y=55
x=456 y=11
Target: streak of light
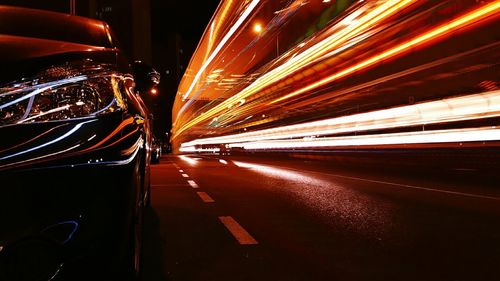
x=408 y=45
x=41 y=157
x=219 y=47
x=223 y=161
x=117 y=130
x=137 y=147
x=32 y=139
x=482 y=134
x=295 y=5
x=214 y=28
x=131 y=133
x=308 y=55
x=67 y=134
x=470 y=107
x=61 y=108
x=194 y=149
x=40 y=89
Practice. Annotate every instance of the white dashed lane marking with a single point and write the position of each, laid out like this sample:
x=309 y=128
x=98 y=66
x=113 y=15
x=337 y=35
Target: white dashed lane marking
x=205 y=197
x=243 y=237
x=185 y=175
x=193 y=184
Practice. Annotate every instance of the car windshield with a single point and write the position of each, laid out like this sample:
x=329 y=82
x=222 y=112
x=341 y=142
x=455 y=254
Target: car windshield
x=53 y=26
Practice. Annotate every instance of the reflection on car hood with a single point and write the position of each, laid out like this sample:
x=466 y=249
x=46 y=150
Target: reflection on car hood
x=17 y=48
x=21 y=57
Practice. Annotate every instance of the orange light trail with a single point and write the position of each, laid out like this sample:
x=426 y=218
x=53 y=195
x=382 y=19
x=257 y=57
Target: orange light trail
x=221 y=44
x=433 y=34
x=314 y=52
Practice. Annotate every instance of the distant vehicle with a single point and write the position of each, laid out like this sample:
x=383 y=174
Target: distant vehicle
x=74 y=157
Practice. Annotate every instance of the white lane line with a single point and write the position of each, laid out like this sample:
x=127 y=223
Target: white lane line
x=205 y=197
x=185 y=175
x=477 y=196
x=243 y=237
x=223 y=161
x=181 y=171
x=193 y=184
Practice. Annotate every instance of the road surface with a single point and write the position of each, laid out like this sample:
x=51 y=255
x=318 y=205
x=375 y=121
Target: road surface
x=242 y=218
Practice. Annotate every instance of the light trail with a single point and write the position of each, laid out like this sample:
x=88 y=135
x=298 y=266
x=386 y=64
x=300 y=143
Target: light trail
x=367 y=21
x=484 y=134
x=216 y=51
x=470 y=107
x=440 y=31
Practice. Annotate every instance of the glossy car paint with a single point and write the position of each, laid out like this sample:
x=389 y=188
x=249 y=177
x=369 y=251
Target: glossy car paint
x=71 y=191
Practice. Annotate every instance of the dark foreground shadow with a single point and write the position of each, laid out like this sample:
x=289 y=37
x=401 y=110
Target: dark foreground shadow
x=153 y=247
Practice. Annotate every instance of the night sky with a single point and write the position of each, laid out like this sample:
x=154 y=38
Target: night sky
x=177 y=26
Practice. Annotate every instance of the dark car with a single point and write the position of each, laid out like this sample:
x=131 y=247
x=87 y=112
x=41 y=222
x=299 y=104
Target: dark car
x=74 y=150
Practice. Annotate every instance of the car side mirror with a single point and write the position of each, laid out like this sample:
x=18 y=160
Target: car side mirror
x=146 y=77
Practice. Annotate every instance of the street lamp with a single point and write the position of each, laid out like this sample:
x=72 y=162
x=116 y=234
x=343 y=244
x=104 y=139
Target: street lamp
x=257 y=28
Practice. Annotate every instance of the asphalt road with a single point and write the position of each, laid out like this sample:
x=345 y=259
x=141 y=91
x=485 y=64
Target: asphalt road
x=240 y=218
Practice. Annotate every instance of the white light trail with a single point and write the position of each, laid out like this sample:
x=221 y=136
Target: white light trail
x=425 y=137
x=470 y=107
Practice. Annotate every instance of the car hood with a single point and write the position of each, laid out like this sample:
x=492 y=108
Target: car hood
x=22 y=57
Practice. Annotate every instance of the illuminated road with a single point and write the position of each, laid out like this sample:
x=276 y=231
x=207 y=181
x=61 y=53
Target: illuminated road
x=237 y=218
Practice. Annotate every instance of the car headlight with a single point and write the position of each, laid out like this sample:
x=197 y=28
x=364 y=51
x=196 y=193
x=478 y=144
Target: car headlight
x=61 y=93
